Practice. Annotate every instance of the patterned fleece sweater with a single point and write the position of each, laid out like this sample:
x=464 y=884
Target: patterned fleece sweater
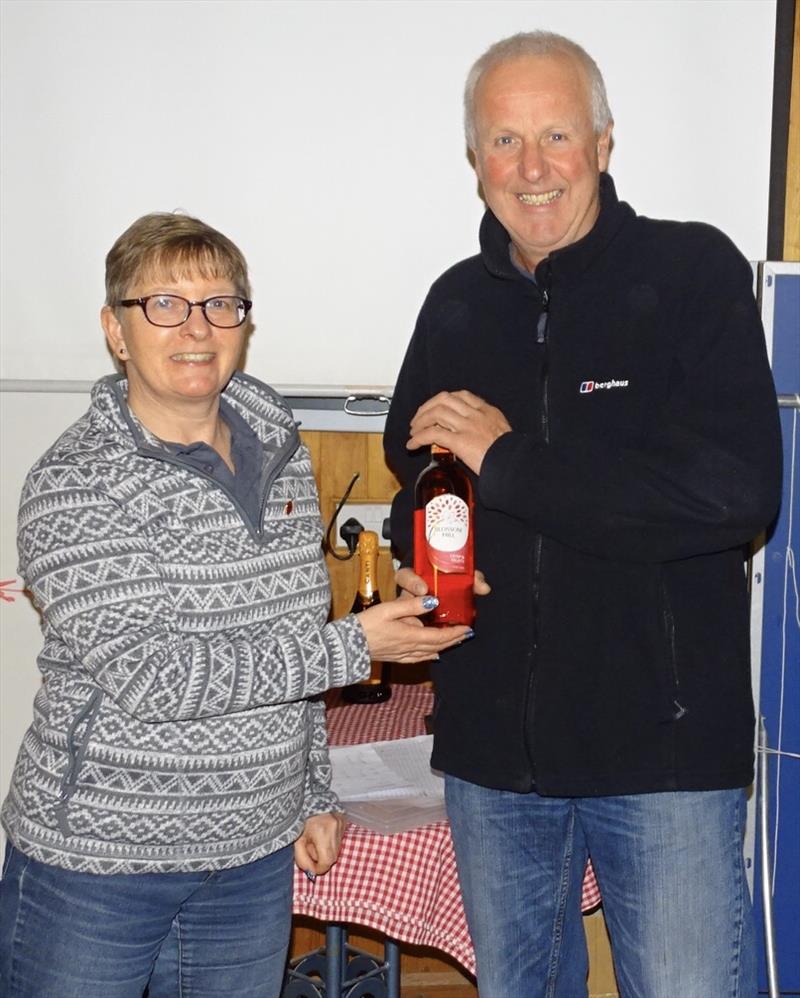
x=173 y=730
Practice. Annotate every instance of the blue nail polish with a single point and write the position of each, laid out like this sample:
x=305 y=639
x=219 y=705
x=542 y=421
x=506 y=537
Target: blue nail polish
x=470 y=634
x=311 y=875
x=430 y=602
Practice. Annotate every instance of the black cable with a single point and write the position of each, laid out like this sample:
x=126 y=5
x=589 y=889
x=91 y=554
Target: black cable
x=327 y=547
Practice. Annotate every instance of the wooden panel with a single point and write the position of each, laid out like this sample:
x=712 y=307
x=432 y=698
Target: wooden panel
x=602 y=983
x=337 y=457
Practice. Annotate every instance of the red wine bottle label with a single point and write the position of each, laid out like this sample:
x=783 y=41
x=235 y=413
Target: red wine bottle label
x=447 y=532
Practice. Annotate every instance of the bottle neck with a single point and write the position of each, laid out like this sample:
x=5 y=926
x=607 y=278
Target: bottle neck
x=367 y=582
x=441 y=455
x=368 y=566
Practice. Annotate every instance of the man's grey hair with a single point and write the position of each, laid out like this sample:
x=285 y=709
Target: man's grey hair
x=536 y=43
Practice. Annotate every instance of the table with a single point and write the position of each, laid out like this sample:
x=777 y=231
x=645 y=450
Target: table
x=404 y=885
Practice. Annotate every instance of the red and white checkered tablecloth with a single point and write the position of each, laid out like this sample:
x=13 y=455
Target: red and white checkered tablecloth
x=404 y=885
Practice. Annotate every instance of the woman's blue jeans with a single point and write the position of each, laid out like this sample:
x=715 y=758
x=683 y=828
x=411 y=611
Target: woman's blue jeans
x=82 y=935
x=670 y=869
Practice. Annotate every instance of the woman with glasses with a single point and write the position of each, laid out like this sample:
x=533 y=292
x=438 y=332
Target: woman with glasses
x=177 y=758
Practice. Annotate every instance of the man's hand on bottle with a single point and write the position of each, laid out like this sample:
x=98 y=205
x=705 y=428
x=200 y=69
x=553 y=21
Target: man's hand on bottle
x=395 y=633
x=460 y=421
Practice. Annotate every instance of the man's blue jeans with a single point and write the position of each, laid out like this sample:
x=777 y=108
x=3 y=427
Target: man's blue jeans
x=81 y=935
x=670 y=869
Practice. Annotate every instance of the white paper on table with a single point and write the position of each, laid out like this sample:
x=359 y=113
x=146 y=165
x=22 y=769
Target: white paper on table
x=388 y=786
x=399 y=768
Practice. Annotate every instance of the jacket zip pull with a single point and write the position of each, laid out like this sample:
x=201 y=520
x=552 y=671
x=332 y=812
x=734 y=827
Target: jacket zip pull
x=541 y=325
x=678 y=710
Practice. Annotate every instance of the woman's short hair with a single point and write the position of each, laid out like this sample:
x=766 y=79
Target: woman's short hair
x=536 y=43
x=171 y=245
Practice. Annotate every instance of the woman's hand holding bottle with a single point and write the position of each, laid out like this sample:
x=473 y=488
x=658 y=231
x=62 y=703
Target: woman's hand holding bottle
x=395 y=633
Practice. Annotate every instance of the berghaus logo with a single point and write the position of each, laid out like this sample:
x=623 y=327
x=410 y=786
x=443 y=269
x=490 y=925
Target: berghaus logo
x=587 y=387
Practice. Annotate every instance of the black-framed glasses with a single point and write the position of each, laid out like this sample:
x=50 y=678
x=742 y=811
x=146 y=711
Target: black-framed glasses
x=223 y=311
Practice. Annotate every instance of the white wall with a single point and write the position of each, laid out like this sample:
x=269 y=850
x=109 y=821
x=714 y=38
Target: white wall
x=325 y=138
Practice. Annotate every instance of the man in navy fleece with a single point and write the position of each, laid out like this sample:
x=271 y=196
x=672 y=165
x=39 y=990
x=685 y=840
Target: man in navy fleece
x=603 y=376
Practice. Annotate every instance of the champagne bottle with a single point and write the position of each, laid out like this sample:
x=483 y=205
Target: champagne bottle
x=444 y=538
x=367 y=595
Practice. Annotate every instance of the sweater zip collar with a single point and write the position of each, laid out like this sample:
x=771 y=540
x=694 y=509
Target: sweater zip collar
x=276 y=460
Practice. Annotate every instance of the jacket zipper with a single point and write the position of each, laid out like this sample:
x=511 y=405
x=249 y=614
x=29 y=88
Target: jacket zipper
x=676 y=709
x=542 y=332
x=544 y=318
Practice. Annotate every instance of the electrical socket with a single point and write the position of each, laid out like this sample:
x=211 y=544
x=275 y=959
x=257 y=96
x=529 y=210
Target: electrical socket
x=369 y=514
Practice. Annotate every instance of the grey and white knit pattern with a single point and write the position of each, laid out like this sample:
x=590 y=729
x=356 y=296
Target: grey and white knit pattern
x=172 y=730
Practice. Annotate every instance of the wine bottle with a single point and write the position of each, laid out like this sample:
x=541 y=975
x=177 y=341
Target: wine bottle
x=367 y=595
x=444 y=538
